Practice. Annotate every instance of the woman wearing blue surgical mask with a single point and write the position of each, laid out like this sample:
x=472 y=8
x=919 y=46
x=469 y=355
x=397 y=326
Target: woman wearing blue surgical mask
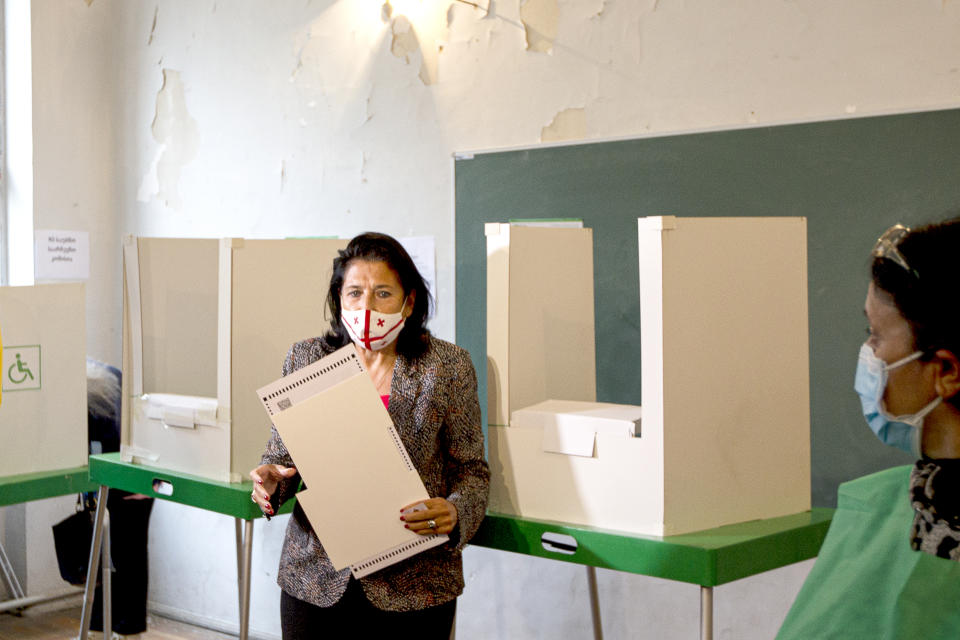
x=914 y=336
x=890 y=565
x=908 y=365
x=379 y=302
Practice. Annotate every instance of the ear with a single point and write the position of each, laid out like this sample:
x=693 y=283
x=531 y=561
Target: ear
x=948 y=374
x=412 y=299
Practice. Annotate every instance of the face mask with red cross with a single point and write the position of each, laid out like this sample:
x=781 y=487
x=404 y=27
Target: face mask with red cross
x=371 y=329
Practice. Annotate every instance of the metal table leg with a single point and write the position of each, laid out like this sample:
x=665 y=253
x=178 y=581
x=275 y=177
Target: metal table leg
x=243 y=575
x=238 y=532
x=594 y=602
x=106 y=578
x=706 y=613
x=10 y=577
x=91 y=585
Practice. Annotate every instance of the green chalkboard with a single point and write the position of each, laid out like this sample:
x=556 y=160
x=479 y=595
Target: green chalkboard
x=850 y=178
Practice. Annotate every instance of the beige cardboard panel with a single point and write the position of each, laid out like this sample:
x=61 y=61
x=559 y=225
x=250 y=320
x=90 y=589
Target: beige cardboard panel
x=178 y=294
x=735 y=370
x=621 y=488
x=540 y=323
x=552 y=347
x=43 y=416
x=498 y=322
x=278 y=293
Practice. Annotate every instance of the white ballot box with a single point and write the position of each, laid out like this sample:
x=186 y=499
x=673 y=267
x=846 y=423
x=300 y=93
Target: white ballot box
x=725 y=434
x=540 y=326
x=206 y=322
x=571 y=427
x=43 y=406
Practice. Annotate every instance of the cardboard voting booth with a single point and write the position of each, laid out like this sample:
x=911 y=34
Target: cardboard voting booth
x=207 y=322
x=43 y=406
x=725 y=431
x=540 y=325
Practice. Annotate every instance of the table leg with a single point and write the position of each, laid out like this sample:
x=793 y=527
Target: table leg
x=594 y=602
x=91 y=585
x=245 y=579
x=706 y=613
x=107 y=578
x=238 y=532
x=10 y=577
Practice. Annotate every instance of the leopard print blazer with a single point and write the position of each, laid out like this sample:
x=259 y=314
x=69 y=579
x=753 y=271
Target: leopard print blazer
x=434 y=407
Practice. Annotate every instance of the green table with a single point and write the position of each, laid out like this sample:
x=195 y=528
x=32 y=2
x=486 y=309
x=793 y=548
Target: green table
x=706 y=558
x=228 y=498
x=26 y=487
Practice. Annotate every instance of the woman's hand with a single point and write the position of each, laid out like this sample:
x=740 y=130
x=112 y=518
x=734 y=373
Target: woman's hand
x=265 y=479
x=439 y=512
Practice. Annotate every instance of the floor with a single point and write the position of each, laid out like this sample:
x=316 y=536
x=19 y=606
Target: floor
x=64 y=624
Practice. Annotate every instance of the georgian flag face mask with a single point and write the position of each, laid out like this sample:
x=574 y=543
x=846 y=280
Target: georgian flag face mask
x=371 y=329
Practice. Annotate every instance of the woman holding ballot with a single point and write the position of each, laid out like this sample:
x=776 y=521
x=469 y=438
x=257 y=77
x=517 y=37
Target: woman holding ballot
x=890 y=565
x=379 y=301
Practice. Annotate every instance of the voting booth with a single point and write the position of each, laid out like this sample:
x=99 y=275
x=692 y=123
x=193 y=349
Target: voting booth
x=43 y=395
x=724 y=435
x=206 y=322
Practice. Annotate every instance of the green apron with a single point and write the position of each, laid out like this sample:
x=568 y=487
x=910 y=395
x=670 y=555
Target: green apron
x=867 y=582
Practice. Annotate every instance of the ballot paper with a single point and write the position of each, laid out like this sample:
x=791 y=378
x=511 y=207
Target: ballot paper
x=352 y=460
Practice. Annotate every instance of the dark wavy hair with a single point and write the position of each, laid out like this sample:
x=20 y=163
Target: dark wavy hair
x=379 y=247
x=927 y=296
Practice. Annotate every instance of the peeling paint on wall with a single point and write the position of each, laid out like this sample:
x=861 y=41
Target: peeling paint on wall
x=153 y=27
x=569 y=124
x=89 y=2
x=540 y=19
x=404 y=43
x=179 y=138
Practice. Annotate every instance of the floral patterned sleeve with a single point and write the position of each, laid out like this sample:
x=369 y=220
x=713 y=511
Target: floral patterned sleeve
x=467 y=473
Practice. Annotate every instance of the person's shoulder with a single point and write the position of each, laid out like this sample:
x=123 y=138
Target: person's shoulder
x=443 y=352
x=304 y=352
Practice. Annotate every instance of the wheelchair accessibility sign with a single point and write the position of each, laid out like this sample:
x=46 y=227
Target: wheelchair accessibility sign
x=21 y=368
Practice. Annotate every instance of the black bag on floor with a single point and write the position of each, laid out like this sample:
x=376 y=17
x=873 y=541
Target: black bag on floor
x=72 y=538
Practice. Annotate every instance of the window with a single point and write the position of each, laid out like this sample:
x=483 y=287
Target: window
x=16 y=145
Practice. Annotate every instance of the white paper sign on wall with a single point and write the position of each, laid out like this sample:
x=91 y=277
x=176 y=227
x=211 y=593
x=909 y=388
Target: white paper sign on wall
x=61 y=255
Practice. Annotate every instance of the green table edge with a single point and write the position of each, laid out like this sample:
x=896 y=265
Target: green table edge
x=26 y=487
x=708 y=558
x=227 y=498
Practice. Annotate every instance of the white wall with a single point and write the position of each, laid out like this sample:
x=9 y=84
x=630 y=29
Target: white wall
x=261 y=119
